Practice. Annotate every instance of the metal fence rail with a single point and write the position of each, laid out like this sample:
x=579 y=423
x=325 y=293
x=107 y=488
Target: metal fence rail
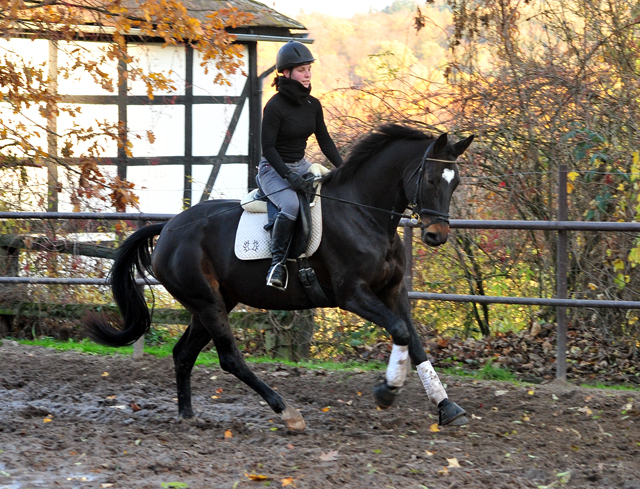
x=561 y=226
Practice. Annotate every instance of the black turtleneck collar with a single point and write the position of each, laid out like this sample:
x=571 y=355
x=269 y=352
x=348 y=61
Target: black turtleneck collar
x=293 y=90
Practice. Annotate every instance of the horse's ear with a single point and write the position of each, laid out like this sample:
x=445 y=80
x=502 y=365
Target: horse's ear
x=461 y=146
x=441 y=143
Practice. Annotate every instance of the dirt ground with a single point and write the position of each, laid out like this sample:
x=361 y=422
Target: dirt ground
x=74 y=420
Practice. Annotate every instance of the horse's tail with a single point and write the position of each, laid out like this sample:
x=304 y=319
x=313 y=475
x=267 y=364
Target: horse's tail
x=134 y=254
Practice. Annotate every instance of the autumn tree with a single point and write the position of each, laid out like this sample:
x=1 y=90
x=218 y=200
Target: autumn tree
x=545 y=84
x=541 y=84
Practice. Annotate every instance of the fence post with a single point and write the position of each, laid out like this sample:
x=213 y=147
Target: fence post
x=561 y=277
x=407 y=237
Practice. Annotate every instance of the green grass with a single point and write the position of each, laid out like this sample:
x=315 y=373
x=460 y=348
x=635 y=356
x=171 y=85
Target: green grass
x=206 y=358
x=488 y=372
x=599 y=385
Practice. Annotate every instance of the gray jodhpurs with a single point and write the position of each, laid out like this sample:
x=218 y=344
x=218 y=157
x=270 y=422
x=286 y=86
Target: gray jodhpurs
x=277 y=188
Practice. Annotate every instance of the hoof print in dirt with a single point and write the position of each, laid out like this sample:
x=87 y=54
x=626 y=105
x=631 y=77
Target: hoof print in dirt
x=450 y=414
x=384 y=394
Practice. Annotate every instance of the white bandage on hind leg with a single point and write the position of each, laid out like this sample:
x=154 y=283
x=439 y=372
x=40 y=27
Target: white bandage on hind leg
x=398 y=366
x=431 y=382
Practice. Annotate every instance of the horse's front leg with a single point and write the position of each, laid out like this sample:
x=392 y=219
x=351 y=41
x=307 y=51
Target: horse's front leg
x=385 y=391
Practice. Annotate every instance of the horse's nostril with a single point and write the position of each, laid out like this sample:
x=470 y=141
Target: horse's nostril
x=433 y=239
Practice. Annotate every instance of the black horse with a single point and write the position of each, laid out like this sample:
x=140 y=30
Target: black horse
x=360 y=264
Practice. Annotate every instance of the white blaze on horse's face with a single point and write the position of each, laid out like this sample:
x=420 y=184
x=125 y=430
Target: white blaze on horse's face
x=448 y=175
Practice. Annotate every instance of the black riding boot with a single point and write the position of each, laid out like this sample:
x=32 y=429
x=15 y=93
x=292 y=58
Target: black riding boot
x=280 y=239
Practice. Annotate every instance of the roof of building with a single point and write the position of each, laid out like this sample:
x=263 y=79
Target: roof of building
x=263 y=16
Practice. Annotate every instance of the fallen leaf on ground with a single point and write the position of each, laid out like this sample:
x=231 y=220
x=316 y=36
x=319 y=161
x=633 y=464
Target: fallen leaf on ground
x=443 y=471
x=135 y=407
x=325 y=409
x=531 y=392
x=585 y=410
x=330 y=456
x=105 y=374
x=428 y=453
x=500 y=393
x=288 y=481
x=257 y=477
x=434 y=428
x=228 y=434
x=219 y=391
x=453 y=462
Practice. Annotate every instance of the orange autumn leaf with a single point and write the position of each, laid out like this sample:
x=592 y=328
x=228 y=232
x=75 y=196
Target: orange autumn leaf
x=434 y=428
x=257 y=477
x=325 y=409
x=228 y=434
x=287 y=482
x=219 y=391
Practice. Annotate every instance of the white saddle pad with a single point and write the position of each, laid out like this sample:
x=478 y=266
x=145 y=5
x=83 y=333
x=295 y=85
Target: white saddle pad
x=253 y=241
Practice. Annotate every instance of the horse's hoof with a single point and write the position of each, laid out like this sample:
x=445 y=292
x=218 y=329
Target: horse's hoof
x=384 y=394
x=451 y=414
x=292 y=419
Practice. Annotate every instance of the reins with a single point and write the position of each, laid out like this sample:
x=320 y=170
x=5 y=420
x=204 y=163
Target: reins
x=415 y=213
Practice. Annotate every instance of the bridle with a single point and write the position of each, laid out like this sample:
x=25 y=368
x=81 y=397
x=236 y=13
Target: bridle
x=415 y=212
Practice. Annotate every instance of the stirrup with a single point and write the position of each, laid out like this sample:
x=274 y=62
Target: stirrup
x=270 y=283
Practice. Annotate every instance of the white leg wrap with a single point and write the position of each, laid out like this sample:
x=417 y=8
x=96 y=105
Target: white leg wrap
x=431 y=383
x=398 y=366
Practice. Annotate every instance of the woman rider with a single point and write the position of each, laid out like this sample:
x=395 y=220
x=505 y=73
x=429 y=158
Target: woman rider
x=289 y=118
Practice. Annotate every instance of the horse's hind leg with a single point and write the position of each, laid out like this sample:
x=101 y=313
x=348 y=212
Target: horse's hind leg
x=210 y=312
x=232 y=361
x=185 y=353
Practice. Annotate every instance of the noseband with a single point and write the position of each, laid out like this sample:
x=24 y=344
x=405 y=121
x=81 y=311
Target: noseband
x=415 y=212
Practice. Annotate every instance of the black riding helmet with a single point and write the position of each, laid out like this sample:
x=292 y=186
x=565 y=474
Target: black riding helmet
x=293 y=54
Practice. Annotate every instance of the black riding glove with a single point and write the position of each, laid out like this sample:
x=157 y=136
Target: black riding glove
x=296 y=182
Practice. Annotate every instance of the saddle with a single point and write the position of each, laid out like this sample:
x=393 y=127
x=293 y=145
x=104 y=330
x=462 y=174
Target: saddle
x=253 y=237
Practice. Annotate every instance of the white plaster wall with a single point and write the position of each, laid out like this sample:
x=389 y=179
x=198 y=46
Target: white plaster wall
x=169 y=61
x=160 y=188
x=166 y=122
x=210 y=123
x=203 y=82
x=230 y=184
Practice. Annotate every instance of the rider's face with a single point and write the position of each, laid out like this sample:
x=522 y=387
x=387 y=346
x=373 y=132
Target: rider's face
x=300 y=73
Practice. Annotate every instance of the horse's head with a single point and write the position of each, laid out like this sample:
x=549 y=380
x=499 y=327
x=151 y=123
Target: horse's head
x=430 y=192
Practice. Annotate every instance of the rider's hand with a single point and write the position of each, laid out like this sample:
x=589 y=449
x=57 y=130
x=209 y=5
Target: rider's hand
x=296 y=182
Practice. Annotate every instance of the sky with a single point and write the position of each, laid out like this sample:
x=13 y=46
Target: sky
x=337 y=8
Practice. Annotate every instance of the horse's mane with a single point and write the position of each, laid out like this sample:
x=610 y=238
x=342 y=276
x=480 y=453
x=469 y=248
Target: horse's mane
x=370 y=145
